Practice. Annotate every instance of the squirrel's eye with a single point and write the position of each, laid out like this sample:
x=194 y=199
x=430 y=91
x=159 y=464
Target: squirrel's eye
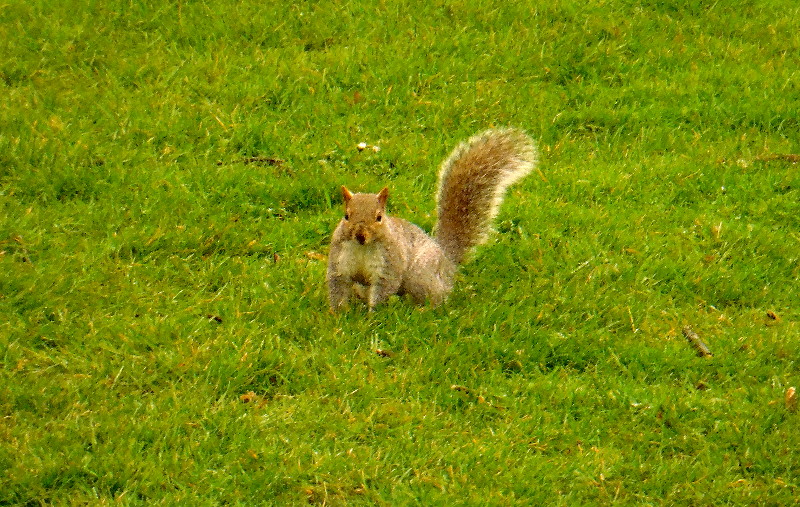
x=378 y=218
x=347 y=216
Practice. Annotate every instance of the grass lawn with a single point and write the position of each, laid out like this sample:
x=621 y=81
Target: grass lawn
x=169 y=177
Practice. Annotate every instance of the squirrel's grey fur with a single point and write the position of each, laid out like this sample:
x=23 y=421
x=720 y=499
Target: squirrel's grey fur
x=374 y=255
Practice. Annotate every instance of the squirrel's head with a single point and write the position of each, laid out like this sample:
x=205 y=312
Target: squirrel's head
x=364 y=214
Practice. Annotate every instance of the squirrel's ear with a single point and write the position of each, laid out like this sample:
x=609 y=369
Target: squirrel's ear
x=346 y=194
x=383 y=195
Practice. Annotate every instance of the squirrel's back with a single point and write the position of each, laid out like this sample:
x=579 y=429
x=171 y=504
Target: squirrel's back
x=472 y=183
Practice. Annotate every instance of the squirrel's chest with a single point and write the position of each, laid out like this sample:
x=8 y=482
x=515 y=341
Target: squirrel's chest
x=361 y=263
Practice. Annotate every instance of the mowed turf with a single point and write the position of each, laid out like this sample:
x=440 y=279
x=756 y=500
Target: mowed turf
x=169 y=176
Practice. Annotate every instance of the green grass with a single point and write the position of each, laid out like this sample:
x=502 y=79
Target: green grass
x=169 y=177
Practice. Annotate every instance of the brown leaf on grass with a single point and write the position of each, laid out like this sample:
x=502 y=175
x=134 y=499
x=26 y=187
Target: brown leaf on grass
x=772 y=315
x=790 y=399
x=315 y=256
x=248 y=397
x=384 y=353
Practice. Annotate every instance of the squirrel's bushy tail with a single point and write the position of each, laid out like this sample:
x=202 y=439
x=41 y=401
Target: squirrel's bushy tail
x=472 y=183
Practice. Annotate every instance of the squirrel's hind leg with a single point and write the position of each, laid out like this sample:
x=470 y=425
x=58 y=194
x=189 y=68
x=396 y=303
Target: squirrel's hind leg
x=381 y=291
x=427 y=288
x=430 y=278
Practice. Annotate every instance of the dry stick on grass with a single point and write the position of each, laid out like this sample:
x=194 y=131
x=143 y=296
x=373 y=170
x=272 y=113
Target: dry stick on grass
x=254 y=160
x=695 y=341
x=788 y=157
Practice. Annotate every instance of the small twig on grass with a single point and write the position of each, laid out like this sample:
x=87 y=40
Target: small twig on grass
x=270 y=161
x=788 y=157
x=695 y=341
x=255 y=160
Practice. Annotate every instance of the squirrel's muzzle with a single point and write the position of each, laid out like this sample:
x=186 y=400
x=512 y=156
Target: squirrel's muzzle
x=361 y=237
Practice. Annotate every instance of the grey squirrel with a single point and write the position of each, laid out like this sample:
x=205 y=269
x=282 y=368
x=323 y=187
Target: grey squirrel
x=374 y=255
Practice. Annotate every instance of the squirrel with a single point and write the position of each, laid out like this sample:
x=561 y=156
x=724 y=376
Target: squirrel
x=374 y=255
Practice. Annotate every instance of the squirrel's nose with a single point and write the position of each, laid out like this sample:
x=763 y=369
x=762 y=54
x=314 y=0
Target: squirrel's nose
x=361 y=237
